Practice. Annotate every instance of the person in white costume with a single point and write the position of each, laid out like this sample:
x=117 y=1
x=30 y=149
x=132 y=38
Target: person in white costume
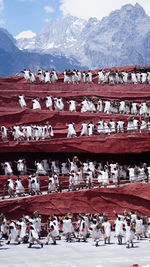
x=143 y=126
x=39 y=168
x=106 y=128
x=21 y=166
x=32 y=77
x=89 y=178
x=99 y=105
x=12 y=233
x=130 y=125
x=131 y=174
x=115 y=176
x=64 y=168
x=72 y=105
x=26 y=75
x=53 y=231
x=84 y=129
x=7 y=168
x=100 y=127
x=96 y=229
x=41 y=76
x=71 y=130
x=67 y=228
x=90 y=129
x=134 y=78
x=107 y=107
x=134 y=109
x=91 y=105
x=36 y=103
x=119 y=230
x=10 y=185
x=138 y=227
x=143 y=77
x=33 y=235
x=83 y=229
x=51 y=185
x=135 y=125
x=58 y=104
x=35 y=185
x=143 y=109
x=89 y=77
x=120 y=126
x=129 y=233
x=122 y=107
x=22 y=101
x=49 y=102
x=85 y=106
x=54 y=76
x=17 y=133
x=19 y=188
x=47 y=77
x=107 y=230
x=100 y=77
x=112 y=126
x=4 y=134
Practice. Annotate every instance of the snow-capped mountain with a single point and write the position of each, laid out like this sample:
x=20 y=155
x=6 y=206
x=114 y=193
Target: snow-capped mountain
x=122 y=38
x=13 y=60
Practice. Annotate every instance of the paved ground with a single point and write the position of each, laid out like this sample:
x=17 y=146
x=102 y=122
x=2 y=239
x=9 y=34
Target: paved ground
x=75 y=255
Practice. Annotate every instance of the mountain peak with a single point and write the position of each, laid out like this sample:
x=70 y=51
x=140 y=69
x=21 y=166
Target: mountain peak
x=136 y=9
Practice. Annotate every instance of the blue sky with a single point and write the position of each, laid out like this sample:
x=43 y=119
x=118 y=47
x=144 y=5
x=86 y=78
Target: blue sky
x=22 y=15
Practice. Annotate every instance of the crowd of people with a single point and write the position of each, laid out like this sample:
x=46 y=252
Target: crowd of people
x=126 y=228
x=78 y=175
x=76 y=76
x=45 y=132
x=90 y=105
x=27 y=132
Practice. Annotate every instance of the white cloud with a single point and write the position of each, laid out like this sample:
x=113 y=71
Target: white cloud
x=25 y=35
x=97 y=8
x=47 y=20
x=2 y=22
x=1 y=5
x=48 y=9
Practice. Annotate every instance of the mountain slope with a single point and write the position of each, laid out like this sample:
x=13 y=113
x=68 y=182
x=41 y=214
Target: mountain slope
x=12 y=59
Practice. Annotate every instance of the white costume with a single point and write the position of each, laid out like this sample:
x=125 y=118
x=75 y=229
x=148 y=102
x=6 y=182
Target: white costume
x=49 y=102
x=72 y=106
x=21 y=166
x=4 y=134
x=47 y=77
x=19 y=187
x=40 y=169
x=107 y=107
x=84 y=129
x=71 y=130
x=120 y=126
x=7 y=168
x=36 y=104
x=100 y=127
x=90 y=129
x=99 y=106
x=22 y=101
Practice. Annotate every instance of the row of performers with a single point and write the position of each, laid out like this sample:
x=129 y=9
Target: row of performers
x=79 y=227
x=76 y=76
x=76 y=167
x=90 y=105
x=75 y=180
x=46 y=132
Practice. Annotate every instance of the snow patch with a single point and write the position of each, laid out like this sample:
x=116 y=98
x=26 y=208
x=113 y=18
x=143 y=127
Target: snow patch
x=25 y=35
